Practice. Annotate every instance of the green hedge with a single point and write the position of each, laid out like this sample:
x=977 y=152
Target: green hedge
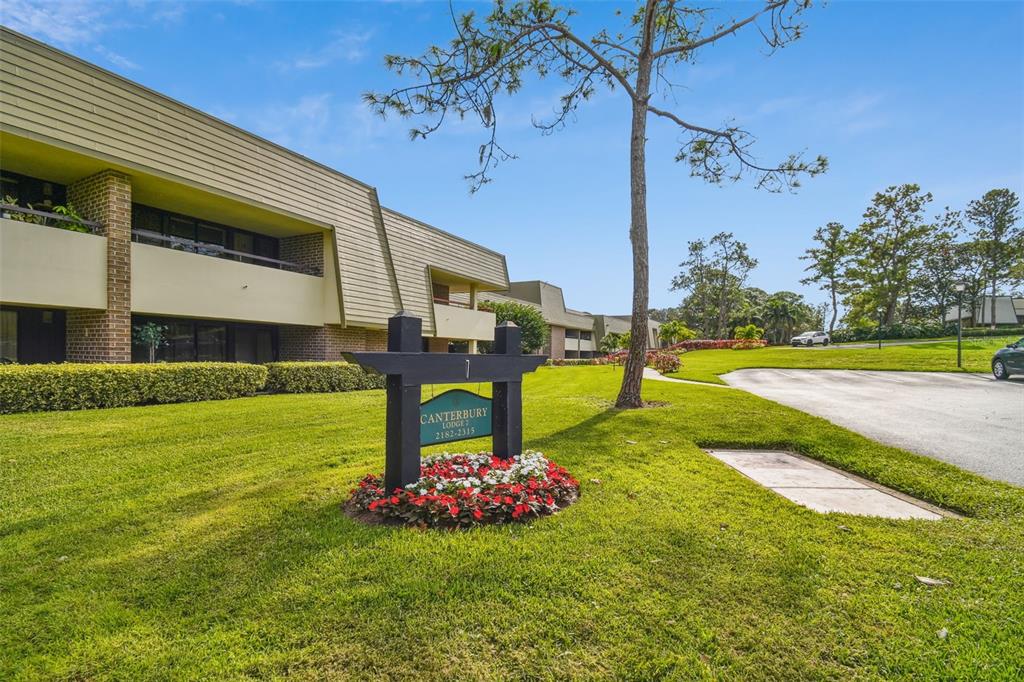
x=30 y=388
x=319 y=377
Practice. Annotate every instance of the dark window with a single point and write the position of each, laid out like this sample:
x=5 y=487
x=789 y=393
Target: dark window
x=572 y=333
x=211 y=234
x=26 y=190
x=458 y=347
x=442 y=293
x=586 y=336
x=206 y=341
x=31 y=335
x=8 y=336
x=180 y=344
x=202 y=235
x=211 y=343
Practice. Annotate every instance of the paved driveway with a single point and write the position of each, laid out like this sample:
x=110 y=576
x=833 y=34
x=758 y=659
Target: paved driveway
x=970 y=420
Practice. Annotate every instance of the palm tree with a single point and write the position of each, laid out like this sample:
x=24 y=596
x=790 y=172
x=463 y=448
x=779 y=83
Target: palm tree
x=780 y=316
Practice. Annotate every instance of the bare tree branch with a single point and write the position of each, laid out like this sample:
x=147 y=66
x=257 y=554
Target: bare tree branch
x=690 y=47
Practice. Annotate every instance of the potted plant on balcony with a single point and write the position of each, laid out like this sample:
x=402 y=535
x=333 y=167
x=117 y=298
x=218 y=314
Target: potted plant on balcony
x=68 y=219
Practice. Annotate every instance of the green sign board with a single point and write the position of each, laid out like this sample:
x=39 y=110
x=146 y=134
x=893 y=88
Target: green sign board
x=454 y=415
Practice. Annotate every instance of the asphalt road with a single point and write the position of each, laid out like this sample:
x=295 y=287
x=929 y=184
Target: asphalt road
x=970 y=420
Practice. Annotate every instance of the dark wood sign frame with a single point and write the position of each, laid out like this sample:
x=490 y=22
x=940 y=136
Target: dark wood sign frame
x=407 y=368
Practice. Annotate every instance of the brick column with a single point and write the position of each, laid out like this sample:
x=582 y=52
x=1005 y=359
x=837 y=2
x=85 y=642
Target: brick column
x=105 y=335
x=436 y=345
x=327 y=342
x=306 y=250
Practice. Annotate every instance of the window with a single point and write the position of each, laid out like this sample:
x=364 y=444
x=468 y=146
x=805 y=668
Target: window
x=8 y=336
x=211 y=342
x=180 y=345
x=32 y=335
x=208 y=341
x=572 y=333
x=201 y=235
x=586 y=336
x=442 y=293
x=41 y=194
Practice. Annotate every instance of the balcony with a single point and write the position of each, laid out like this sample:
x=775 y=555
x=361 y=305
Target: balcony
x=43 y=265
x=217 y=251
x=187 y=284
x=458 y=322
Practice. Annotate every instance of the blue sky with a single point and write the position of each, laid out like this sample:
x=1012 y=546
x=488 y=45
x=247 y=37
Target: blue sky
x=891 y=92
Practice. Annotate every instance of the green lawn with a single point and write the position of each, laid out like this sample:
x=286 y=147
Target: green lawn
x=707 y=365
x=206 y=541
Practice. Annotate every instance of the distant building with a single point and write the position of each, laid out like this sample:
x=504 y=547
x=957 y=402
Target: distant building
x=1009 y=311
x=573 y=334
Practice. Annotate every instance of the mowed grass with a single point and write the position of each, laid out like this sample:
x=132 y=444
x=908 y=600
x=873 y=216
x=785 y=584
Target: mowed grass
x=707 y=365
x=207 y=541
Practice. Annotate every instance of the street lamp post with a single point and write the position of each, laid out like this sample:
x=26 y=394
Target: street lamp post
x=959 y=325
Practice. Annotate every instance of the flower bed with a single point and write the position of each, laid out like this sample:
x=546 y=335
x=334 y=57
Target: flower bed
x=661 y=360
x=716 y=344
x=577 y=362
x=457 y=490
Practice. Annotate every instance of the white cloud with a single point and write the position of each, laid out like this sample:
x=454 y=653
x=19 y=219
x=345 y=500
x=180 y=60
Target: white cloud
x=116 y=59
x=349 y=46
x=66 y=23
x=302 y=126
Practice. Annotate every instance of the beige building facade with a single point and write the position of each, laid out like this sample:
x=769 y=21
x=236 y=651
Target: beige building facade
x=236 y=248
x=573 y=334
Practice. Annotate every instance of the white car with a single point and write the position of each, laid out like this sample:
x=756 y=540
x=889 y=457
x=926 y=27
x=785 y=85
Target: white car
x=811 y=339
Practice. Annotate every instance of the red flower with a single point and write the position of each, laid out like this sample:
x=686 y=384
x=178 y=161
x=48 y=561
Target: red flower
x=453 y=510
x=477 y=514
x=394 y=499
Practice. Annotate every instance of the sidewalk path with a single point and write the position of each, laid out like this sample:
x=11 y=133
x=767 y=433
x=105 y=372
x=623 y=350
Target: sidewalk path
x=654 y=375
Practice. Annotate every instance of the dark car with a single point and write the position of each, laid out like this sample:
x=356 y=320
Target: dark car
x=1009 y=360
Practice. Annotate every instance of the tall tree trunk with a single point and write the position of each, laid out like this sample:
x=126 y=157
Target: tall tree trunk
x=835 y=310
x=632 y=376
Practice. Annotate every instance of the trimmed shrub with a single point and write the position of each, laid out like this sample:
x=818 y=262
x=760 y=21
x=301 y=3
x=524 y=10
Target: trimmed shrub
x=32 y=388
x=319 y=377
x=920 y=331
x=713 y=344
x=661 y=360
x=577 y=362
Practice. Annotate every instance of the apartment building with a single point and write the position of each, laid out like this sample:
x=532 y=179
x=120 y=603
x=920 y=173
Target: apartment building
x=239 y=249
x=1009 y=311
x=572 y=333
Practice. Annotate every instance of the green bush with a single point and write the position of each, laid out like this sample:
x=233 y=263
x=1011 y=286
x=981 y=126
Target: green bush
x=750 y=332
x=32 y=388
x=533 y=330
x=319 y=377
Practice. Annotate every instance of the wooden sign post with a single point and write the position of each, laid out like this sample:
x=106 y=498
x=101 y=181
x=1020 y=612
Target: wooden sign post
x=407 y=368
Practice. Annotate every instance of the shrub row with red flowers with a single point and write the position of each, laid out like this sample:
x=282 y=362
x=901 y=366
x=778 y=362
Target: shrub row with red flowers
x=457 y=490
x=577 y=362
x=717 y=344
x=661 y=360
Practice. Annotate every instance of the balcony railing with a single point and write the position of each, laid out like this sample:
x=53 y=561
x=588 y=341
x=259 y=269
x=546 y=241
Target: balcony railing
x=455 y=304
x=48 y=218
x=218 y=251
